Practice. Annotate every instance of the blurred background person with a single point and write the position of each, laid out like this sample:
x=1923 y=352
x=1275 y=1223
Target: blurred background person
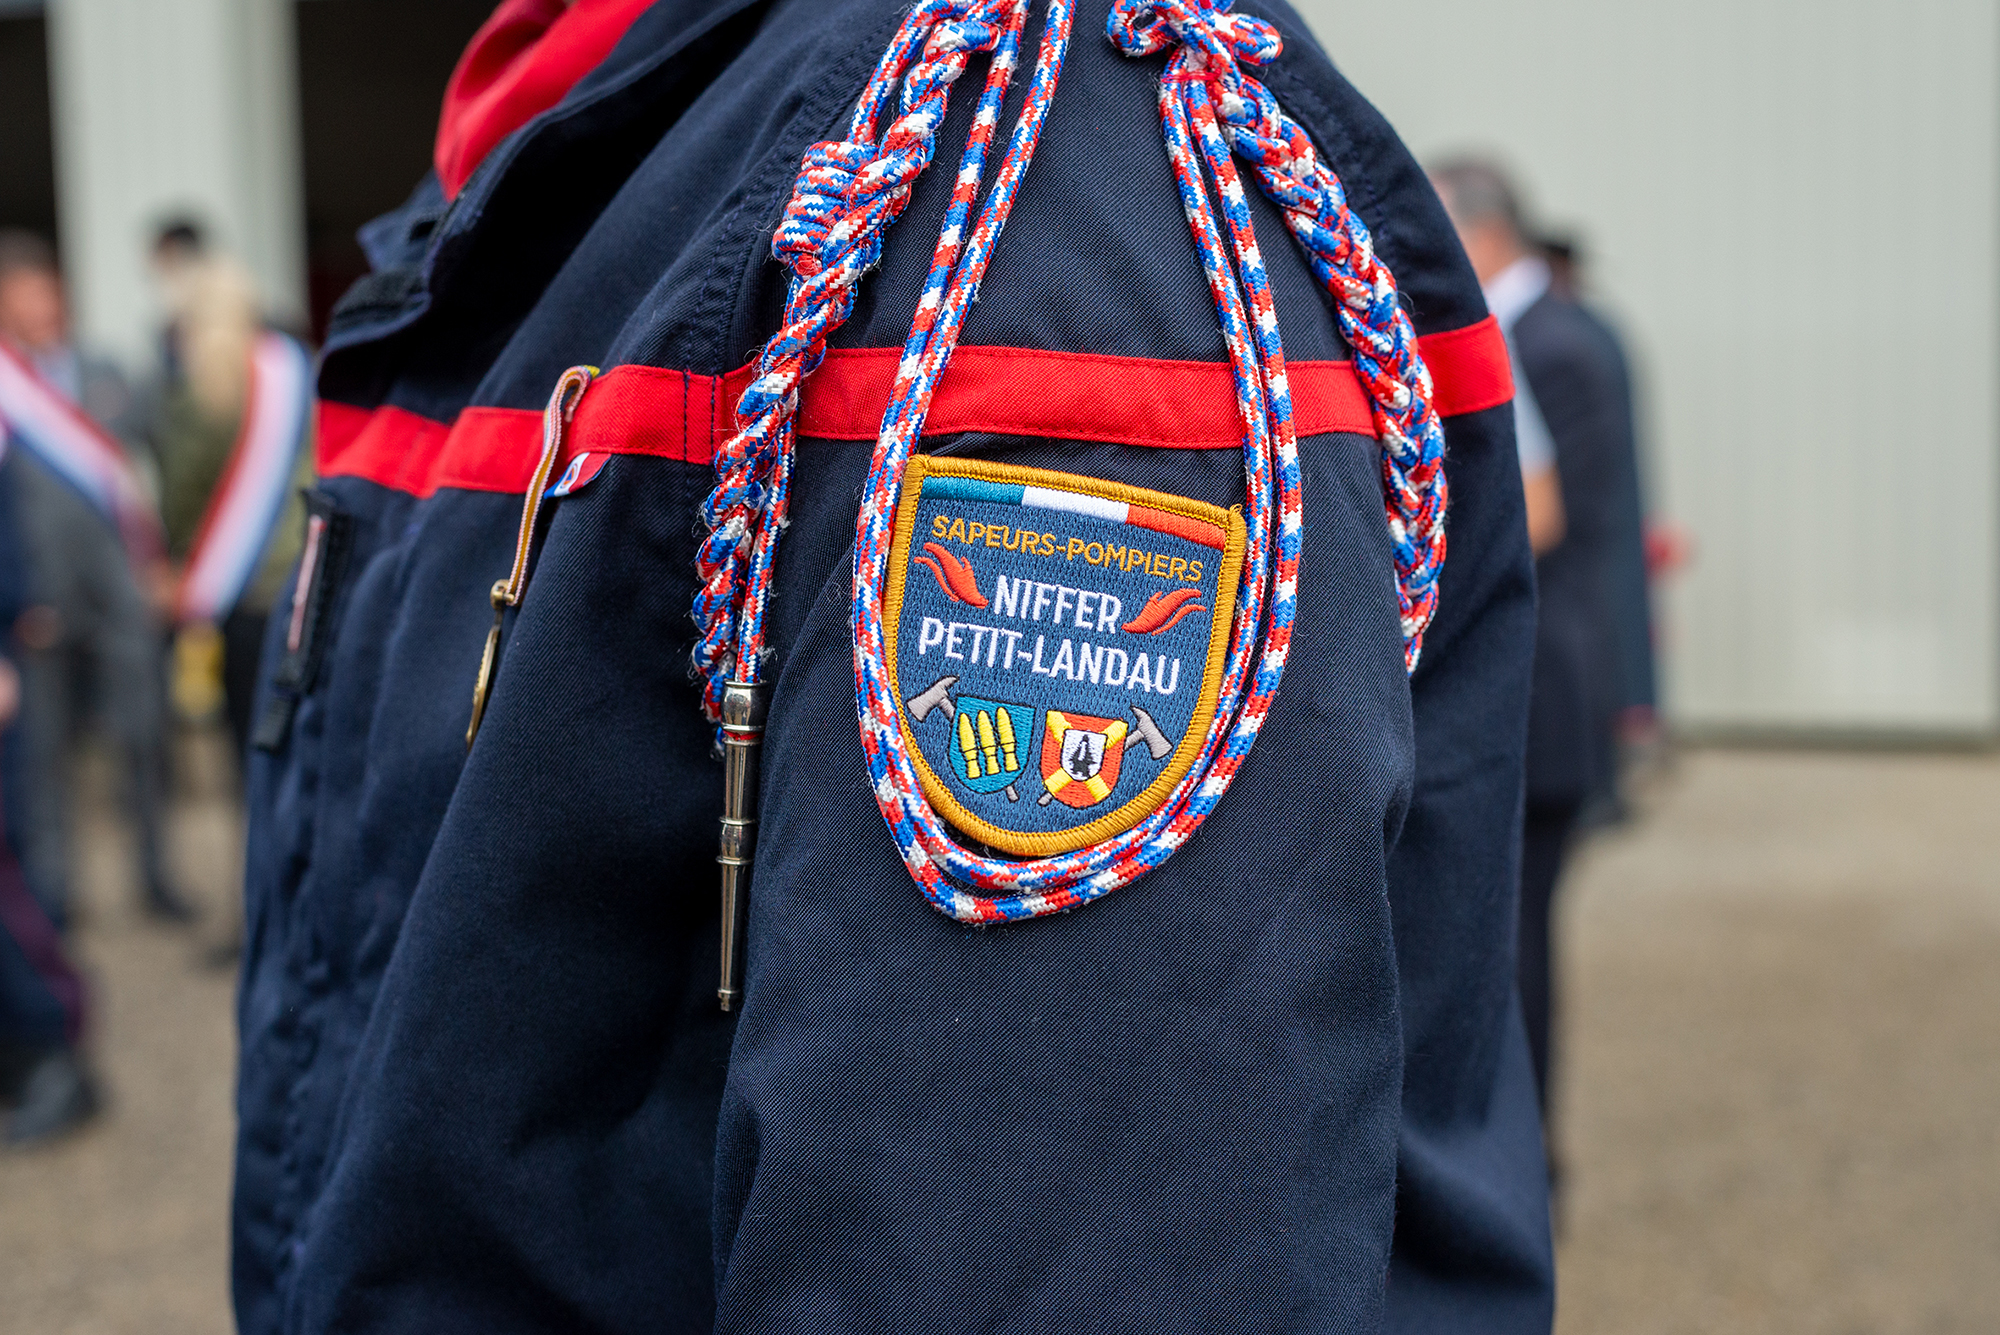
x=231 y=425
x=1541 y=482
x=90 y=638
x=45 y=1088
x=1571 y=381
x=1635 y=735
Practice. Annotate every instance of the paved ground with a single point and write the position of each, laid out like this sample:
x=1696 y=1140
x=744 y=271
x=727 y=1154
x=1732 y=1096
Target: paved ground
x=1781 y=1109
x=122 y=1230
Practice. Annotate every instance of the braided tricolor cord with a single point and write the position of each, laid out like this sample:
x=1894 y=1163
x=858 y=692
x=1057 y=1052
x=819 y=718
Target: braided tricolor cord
x=1032 y=888
x=1201 y=76
x=1205 y=76
x=848 y=193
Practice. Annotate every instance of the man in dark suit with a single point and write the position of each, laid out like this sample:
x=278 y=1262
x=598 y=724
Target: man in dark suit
x=1575 y=377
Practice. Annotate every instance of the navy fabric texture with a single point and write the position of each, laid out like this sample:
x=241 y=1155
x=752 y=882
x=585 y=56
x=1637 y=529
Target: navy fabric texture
x=1279 y=1085
x=1023 y=1107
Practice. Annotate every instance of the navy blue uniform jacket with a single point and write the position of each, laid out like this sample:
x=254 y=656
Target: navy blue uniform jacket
x=1279 y=1085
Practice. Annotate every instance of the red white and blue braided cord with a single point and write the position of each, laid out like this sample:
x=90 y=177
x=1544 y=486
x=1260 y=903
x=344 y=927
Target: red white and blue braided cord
x=1033 y=888
x=1199 y=75
x=1211 y=45
x=1202 y=76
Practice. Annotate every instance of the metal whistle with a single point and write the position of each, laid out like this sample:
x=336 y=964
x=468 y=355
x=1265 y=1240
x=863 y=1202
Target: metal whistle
x=742 y=735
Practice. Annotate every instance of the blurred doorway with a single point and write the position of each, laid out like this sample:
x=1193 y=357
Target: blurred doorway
x=27 y=148
x=371 y=78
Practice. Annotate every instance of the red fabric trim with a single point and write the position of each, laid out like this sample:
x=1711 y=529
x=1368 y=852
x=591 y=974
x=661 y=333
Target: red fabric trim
x=399 y=449
x=1075 y=396
x=519 y=64
x=1005 y=391
x=1470 y=369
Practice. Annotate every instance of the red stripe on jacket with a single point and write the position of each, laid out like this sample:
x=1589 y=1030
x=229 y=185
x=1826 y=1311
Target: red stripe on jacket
x=1004 y=391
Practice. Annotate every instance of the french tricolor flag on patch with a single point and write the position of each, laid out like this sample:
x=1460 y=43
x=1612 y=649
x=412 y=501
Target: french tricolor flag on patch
x=581 y=472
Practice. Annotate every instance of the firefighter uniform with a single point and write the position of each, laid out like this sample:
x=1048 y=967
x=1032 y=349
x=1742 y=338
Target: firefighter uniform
x=1279 y=1083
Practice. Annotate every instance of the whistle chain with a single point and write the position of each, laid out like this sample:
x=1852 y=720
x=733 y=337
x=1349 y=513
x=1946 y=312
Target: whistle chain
x=742 y=736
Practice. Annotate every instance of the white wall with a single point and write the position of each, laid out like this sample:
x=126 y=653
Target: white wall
x=165 y=107
x=1791 y=207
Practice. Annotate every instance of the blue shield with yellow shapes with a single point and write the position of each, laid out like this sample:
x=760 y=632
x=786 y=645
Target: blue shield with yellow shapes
x=990 y=743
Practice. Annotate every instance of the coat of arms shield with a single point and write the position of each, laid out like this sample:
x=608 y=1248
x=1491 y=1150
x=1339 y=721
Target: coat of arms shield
x=1081 y=757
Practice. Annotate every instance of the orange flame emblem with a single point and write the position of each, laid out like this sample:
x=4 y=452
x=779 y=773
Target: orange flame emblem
x=954 y=576
x=1164 y=611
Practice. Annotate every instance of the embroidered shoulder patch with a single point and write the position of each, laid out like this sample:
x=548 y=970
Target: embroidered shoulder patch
x=1056 y=643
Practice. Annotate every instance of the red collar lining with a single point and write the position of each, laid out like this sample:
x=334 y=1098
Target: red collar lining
x=521 y=62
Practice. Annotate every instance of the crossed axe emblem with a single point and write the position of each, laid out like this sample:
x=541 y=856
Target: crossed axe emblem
x=937 y=696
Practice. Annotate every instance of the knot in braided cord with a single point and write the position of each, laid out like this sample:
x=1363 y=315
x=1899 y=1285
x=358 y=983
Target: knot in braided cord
x=1195 y=26
x=824 y=220
x=1209 y=44
x=847 y=194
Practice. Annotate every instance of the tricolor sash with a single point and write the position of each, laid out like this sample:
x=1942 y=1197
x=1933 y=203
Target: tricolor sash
x=250 y=496
x=35 y=415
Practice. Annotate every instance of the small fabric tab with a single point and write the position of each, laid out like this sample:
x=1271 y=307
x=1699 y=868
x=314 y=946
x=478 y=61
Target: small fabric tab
x=582 y=471
x=322 y=563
